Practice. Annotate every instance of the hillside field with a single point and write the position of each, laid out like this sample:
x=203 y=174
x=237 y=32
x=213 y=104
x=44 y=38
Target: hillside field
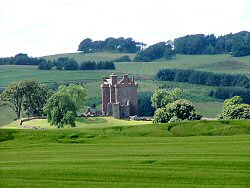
x=128 y=156
x=144 y=73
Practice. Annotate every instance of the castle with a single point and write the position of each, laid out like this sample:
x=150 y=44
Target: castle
x=119 y=99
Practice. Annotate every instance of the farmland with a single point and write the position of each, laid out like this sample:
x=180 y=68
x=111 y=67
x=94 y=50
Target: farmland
x=143 y=71
x=128 y=156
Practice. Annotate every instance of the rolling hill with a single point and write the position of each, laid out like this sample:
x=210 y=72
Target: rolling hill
x=143 y=71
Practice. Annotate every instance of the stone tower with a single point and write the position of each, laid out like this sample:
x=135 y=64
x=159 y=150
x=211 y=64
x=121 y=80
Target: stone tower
x=119 y=99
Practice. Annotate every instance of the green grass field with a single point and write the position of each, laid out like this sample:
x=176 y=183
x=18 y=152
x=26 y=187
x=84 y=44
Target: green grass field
x=100 y=56
x=144 y=72
x=128 y=156
x=7 y=115
x=89 y=122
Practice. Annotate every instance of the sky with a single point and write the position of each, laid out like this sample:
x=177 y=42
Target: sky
x=45 y=27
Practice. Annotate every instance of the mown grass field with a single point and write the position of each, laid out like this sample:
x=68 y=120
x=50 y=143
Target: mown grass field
x=89 y=122
x=128 y=156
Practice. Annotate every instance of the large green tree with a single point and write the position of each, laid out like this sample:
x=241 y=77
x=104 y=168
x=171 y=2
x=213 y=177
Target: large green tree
x=13 y=97
x=162 y=97
x=61 y=110
x=77 y=93
x=26 y=97
x=178 y=110
x=234 y=108
x=35 y=97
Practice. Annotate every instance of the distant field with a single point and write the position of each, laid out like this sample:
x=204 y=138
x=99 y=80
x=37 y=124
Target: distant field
x=9 y=74
x=209 y=109
x=128 y=156
x=143 y=70
x=213 y=63
x=81 y=57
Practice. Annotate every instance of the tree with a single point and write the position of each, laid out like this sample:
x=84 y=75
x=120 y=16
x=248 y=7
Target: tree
x=178 y=110
x=61 y=110
x=234 y=109
x=71 y=64
x=169 y=54
x=45 y=65
x=145 y=107
x=35 y=98
x=13 y=97
x=85 y=46
x=26 y=96
x=88 y=65
x=77 y=94
x=162 y=97
x=153 y=52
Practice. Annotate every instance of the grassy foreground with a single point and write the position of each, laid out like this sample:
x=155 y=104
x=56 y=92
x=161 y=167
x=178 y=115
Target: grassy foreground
x=128 y=156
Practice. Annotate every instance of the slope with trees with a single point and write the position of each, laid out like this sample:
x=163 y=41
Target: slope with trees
x=237 y=44
x=121 y=44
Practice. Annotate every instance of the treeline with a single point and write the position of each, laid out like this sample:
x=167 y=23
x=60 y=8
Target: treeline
x=229 y=92
x=66 y=63
x=123 y=45
x=21 y=59
x=156 y=51
x=237 y=44
x=202 y=78
x=92 y=65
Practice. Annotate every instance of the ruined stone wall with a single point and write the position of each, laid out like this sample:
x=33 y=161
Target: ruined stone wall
x=124 y=111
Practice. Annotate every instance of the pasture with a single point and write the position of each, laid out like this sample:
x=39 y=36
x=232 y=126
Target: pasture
x=128 y=156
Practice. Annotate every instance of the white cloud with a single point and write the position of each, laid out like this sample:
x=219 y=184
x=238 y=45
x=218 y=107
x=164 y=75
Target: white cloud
x=57 y=26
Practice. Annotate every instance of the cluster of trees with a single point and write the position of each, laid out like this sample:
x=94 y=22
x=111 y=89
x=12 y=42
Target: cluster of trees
x=26 y=98
x=92 y=65
x=234 y=108
x=229 y=92
x=21 y=59
x=156 y=51
x=31 y=99
x=62 y=63
x=123 y=45
x=202 y=78
x=169 y=108
x=172 y=109
x=237 y=44
x=66 y=63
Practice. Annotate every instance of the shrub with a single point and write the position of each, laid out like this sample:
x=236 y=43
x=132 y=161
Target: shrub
x=45 y=65
x=123 y=59
x=178 y=110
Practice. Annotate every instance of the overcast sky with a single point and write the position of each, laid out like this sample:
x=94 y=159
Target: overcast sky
x=43 y=27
